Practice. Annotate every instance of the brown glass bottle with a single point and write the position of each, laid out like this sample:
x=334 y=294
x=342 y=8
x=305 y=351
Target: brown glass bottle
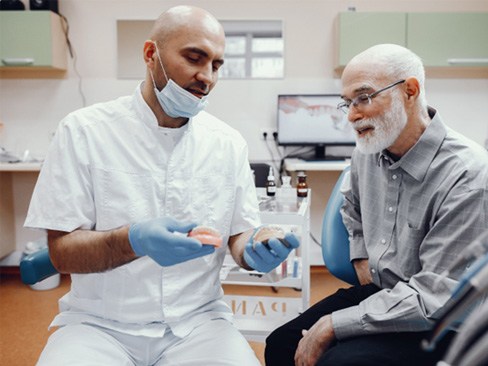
x=302 y=186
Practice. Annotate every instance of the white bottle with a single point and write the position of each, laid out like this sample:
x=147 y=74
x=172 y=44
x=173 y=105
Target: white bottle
x=287 y=191
x=286 y=179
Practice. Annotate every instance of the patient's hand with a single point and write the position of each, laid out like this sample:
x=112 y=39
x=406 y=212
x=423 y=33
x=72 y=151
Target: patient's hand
x=315 y=342
x=362 y=270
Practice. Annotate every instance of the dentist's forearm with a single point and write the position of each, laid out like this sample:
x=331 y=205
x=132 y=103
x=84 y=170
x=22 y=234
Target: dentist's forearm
x=86 y=251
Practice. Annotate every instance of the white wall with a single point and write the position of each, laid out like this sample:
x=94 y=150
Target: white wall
x=30 y=109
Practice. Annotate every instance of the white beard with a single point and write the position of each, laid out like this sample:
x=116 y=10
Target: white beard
x=387 y=128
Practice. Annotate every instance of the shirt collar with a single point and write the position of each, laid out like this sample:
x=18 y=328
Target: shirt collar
x=418 y=159
x=145 y=113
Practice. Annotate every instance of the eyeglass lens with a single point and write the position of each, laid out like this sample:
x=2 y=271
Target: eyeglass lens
x=364 y=99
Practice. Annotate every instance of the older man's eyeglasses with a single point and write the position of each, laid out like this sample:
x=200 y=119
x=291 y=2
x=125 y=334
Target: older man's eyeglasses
x=364 y=99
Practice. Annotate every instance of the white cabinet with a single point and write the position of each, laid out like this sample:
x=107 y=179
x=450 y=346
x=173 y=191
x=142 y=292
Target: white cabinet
x=257 y=316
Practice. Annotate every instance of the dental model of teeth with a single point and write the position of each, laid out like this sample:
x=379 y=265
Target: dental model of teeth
x=206 y=235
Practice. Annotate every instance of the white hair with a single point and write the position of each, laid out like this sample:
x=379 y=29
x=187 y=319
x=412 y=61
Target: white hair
x=395 y=62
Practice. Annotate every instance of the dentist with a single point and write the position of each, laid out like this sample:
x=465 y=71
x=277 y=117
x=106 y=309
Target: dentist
x=123 y=184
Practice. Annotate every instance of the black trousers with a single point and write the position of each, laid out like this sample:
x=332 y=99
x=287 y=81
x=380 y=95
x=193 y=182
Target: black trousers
x=395 y=349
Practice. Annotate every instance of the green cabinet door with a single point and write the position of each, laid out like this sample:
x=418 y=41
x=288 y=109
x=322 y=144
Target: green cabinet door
x=26 y=39
x=449 y=39
x=359 y=31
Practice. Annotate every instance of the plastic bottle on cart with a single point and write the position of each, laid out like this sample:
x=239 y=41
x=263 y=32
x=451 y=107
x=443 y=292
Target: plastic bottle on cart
x=302 y=186
x=287 y=195
x=286 y=191
x=286 y=179
x=270 y=183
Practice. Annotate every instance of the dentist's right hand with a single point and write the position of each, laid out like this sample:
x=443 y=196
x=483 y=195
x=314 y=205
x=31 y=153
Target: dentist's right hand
x=156 y=238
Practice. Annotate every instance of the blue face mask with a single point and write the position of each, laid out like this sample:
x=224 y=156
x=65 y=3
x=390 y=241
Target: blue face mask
x=176 y=101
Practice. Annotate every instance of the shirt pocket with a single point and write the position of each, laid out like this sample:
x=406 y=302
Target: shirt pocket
x=126 y=197
x=409 y=243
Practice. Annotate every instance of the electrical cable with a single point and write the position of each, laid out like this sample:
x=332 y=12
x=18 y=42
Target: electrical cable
x=297 y=153
x=273 y=159
x=277 y=146
x=65 y=25
x=314 y=239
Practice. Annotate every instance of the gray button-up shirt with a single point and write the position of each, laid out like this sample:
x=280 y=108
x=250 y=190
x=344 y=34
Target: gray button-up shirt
x=411 y=218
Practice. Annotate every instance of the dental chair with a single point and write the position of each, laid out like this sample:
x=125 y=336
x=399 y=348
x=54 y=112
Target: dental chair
x=36 y=267
x=335 y=238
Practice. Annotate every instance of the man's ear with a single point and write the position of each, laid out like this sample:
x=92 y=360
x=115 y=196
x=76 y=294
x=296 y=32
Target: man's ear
x=149 y=52
x=412 y=88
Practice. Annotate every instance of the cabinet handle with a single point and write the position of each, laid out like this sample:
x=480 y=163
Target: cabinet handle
x=467 y=61
x=26 y=61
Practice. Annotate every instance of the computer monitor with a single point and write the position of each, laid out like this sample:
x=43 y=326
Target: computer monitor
x=314 y=120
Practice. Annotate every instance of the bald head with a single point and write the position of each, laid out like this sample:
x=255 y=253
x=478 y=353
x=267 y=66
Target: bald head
x=185 y=19
x=187 y=47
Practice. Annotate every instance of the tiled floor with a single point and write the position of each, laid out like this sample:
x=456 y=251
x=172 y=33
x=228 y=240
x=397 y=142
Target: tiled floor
x=25 y=314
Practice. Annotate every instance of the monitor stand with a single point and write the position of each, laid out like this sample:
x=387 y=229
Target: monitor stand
x=320 y=155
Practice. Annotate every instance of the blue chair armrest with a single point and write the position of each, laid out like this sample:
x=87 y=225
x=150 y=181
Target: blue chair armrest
x=36 y=267
x=335 y=238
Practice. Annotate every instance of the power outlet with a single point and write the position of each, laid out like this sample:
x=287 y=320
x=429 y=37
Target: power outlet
x=267 y=134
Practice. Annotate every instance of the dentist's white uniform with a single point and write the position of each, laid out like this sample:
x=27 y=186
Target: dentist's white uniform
x=110 y=165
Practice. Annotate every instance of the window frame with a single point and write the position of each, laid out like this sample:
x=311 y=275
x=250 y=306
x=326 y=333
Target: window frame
x=251 y=30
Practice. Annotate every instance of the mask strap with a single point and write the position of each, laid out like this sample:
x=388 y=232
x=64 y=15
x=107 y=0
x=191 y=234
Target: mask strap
x=160 y=62
x=152 y=78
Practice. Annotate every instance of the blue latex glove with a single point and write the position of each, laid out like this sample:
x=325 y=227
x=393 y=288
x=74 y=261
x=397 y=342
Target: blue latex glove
x=267 y=255
x=156 y=238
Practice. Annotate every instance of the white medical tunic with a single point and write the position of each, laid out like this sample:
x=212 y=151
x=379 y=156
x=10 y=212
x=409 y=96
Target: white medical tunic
x=109 y=165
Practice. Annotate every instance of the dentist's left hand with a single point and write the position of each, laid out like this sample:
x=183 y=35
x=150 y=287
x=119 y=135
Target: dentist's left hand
x=156 y=238
x=264 y=256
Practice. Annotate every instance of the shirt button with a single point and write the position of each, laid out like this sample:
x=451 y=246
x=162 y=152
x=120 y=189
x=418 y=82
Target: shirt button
x=394 y=176
x=390 y=209
x=373 y=270
x=383 y=241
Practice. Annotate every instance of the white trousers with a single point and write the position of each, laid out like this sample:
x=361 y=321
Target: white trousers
x=215 y=343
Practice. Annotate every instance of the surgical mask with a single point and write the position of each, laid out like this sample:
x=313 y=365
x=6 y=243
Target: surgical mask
x=176 y=101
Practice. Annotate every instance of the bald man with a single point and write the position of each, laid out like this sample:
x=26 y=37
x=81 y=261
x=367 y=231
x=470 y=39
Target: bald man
x=123 y=185
x=416 y=197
